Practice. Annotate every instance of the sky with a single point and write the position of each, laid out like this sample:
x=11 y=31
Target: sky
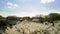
x=28 y=7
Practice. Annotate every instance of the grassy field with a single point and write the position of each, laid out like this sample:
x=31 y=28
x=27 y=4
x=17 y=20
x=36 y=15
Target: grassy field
x=33 y=28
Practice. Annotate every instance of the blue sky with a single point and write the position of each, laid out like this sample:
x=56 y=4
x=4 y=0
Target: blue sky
x=28 y=7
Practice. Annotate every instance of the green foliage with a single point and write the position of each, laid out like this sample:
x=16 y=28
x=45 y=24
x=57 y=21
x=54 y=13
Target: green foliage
x=1 y=17
x=54 y=16
x=41 y=19
x=35 y=17
x=46 y=18
x=26 y=18
x=3 y=23
x=12 y=18
x=50 y=18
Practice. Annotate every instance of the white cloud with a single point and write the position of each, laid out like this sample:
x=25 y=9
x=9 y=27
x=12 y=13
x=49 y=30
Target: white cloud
x=12 y=5
x=47 y=1
x=32 y=11
x=28 y=11
x=23 y=1
x=25 y=11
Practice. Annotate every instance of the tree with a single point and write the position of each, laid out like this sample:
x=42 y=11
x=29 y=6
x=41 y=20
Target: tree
x=46 y=18
x=53 y=17
x=41 y=19
x=35 y=17
x=1 y=17
x=11 y=18
x=3 y=23
x=26 y=18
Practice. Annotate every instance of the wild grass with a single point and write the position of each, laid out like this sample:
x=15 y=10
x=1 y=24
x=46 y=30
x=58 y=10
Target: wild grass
x=33 y=28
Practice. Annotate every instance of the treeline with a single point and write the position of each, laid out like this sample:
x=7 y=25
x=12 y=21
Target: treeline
x=50 y=18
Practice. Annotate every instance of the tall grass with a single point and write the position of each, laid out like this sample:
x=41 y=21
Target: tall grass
x=33 y=28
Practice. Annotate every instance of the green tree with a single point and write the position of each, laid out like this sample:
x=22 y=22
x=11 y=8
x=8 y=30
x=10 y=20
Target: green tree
x=54 y=16
x=35 y=17
x=26 y=18
x=12 y=18
x=41 y=19
x=46 y=18
x=3 y=23
x=1 y=17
